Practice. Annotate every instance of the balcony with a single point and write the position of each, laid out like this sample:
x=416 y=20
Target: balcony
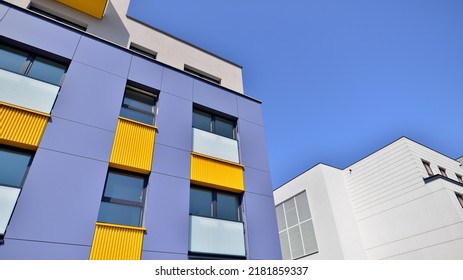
x=26 y=92
x=214 y=145
x=214 y=236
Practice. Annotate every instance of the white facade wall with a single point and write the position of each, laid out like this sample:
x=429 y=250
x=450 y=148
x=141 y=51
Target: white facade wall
x=117 y=28
x=381 y=207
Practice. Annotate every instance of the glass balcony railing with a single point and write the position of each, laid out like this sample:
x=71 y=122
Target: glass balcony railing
x=214 y=236
x=214 y=145
x=26 y=92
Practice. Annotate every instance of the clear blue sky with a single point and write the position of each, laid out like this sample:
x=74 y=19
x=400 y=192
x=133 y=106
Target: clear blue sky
x=338 y=79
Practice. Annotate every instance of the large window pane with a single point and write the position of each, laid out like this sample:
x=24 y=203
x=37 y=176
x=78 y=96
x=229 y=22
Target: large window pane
x=284 y=242
x=137 y=100
x=137 y=116
x=227 y=207
x=303 y=209
x=47 y=71
x=296 y=242
x=11 y=59
x=13 y=166
x=224 y=127
x=124 y=186
x=202 y=120
x=291 y=214
x=201 y=202
x=8 y=198
x=308 y=235
x=119 y=214
x=281 y=218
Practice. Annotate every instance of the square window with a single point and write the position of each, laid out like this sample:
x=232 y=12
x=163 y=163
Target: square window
x=214 y=124
x=427 y=166
x=139 y=105
x=214 y=204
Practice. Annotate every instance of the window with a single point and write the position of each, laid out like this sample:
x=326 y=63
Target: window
x=31 y=65
x=295 y=226
x=214 y=124
x=57 y=18
x=460 y=198
x=427 y=166
x=214 y=204
x=459 y=177
x=442 y=171
x=123 y=199
x=202 y=74
x=14 y=164
x=143 y=51
x=139 y=105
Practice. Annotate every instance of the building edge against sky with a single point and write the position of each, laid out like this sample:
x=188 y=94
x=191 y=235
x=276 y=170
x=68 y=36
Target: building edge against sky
x=124 y=142
x=404 y=201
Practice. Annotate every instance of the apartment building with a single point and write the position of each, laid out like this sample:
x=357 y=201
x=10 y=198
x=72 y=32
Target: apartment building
x=404 y=201
x=120 y=141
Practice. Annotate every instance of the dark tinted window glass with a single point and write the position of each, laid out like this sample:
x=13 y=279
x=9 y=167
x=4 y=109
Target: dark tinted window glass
x=123 y=186
x=224 y=127
x=11 y=59
x=137 y=116
x=202 y=120
x=13 y=167
x=47 y=71
x=137 y=100
x=119 y=214
x=200 y=202
x=227 y=206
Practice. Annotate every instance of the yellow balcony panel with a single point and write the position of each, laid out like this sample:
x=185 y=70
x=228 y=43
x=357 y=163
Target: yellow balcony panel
x=116 y=242
x=20 y=127
x=216 y=173
x=95 y=8
x=133 y=146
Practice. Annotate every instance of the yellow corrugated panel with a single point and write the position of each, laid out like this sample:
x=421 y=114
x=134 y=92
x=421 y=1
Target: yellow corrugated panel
x=20 y=127
x=133 y=146
x=116 y=242
x=94 y=8
x=215 y=173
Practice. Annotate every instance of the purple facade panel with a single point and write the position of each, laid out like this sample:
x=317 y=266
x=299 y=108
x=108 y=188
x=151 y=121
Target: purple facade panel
x=262 y=231
x=171 y=161
x=39 y=33
x=174 y=121
x=252 y=145
x=60 y=199
x=148 y=255
x=90 y=96
x=3 y=11
x=258 y=181
x=145 y=72
x=249 y=110
x=215 y=98
x=32 y=250
x=166 y=216
x=103 y=56
x=177 y=84
x=77 y=139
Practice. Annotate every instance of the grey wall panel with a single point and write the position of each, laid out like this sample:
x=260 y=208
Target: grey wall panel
x=215 y=98
x=174 y=121
x=31 y=250
x=166 y=214
x=262 y=231
x=60 y=199
x=39 y=33
x=90 y=96
x=77 y=139
x=103 y=56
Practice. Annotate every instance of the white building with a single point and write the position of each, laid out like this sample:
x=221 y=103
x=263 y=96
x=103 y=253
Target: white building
x=404 y=201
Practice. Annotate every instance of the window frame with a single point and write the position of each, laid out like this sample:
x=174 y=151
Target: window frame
x=119 y=201
x=213 y=120
x=442 y=171
x=459 y=178
x=427 y=167
x=140 y=91
x=459 y=198
x=214 y=207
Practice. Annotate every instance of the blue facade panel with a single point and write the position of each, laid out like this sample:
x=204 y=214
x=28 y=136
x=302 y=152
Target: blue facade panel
x=174 y=121
x=77 y=139
x=215 y=98
x=171 y=161
x=90 y=96
x=147 y=255
x=145 y=72
x=249 y=110
x=39 y=33
x=3 y=11
x=103 y=56
x=262 y=230
x=166 y=215
x=258 y=181
x=177 y=84
x=60 y=199
x=31 y=250
x=252 y=145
